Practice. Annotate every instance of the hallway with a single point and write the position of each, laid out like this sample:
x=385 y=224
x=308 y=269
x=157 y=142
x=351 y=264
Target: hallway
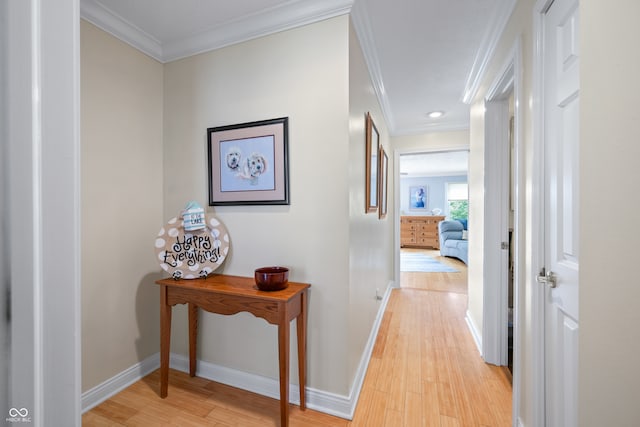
x=425 y=370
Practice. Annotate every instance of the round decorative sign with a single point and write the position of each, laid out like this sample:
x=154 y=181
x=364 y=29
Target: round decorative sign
x=192 y=254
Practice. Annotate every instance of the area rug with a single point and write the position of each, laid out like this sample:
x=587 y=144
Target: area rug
x=423 y=263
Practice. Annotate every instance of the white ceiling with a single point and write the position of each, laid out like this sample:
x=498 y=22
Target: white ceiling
x=423 y=55
x=445 y=163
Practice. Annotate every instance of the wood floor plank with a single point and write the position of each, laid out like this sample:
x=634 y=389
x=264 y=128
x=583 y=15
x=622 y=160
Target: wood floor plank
x=431 y=413
x=394 y=418
x=425 y=370
x=413 y=410
x=377 y=409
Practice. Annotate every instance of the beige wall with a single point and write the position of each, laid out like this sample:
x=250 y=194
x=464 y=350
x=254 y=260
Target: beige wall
x=609 y=286
x=303 y=74
x=148 y=122
x=121 y=146
x=476 y=181
x=370 y=239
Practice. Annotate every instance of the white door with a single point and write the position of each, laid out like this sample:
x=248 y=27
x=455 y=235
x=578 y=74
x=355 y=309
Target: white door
x=561 y=258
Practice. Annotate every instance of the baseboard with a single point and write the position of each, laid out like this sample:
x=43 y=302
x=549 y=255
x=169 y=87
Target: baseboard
x=119 y=382
x=477 y=338
x=318 y=400
x=361 y=372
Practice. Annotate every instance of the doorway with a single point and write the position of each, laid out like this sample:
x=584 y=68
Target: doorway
x=502 y=228
x=432 y=189
x=447 y=346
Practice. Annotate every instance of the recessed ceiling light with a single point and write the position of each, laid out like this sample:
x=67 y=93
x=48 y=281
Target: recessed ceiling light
x=435 y=114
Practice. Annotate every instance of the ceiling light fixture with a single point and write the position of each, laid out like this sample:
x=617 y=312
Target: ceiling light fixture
x=435 y=114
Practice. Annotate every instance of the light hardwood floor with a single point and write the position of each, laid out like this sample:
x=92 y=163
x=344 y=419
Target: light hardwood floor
x=448 y=282
x=424 y=371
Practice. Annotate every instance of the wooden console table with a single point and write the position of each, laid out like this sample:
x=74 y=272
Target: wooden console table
x=230 y=295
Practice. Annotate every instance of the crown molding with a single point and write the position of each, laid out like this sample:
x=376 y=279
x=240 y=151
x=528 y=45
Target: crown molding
x=268 y=21
x=503 y=11
x=263 y=23
x=364 y=32
x=103 y=18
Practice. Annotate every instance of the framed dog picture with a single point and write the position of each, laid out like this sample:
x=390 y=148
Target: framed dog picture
x=248 y=163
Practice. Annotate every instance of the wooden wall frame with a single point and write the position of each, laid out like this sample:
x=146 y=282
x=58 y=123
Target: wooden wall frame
x=372 y=165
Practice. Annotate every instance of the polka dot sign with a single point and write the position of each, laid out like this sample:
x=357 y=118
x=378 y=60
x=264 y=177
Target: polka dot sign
x=192 y=254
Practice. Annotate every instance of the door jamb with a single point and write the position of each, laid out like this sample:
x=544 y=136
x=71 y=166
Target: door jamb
x=495 y=331
x=537 y=351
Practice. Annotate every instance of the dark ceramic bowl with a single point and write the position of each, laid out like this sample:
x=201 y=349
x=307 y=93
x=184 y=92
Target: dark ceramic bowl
x=272 y=278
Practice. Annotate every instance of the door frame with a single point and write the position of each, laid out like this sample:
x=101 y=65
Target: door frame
x=43 y=154
x=495 y=280
x=537 y=350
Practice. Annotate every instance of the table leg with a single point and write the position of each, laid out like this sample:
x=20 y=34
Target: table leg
x=193 y=337
x=301 y=328
x=283 y=350
x=165 y=341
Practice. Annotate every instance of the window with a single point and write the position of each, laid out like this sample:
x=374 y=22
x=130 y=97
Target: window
x=457 y=200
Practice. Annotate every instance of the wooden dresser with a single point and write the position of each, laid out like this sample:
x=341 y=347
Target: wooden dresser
x=420 y=231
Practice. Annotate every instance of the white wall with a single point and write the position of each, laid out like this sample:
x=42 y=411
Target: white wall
x=122 y=98
x=609 y=372
x=302 y=74
x=370 y=239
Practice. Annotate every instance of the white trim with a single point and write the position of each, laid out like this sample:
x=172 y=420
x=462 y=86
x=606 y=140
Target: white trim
x=364 y=32
x=488 y=45
x=282 y=17
x=537 y=355
x=510 y=78
x=518 y=227
x=268 y=21
x=356 y=386
x=362 y=26
x=477 y=337
x=43 y=158
x=319 y=400
x=36 y=170
x=496 y=188
x=98 y=394
x=4 y=202
x=59 y=211
x=103 y=18
x=396 y=215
